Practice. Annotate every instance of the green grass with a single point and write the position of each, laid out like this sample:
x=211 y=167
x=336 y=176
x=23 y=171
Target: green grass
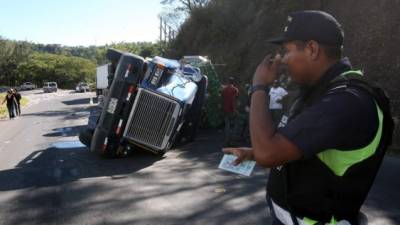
x=3 y=108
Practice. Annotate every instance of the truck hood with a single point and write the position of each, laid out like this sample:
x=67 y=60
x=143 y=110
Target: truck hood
x=179 y=87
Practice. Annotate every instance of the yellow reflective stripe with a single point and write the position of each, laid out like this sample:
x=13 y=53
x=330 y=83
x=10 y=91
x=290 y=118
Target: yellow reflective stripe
x=359 y=72
x=340 y=161
x=333 y=221
x=309 y=221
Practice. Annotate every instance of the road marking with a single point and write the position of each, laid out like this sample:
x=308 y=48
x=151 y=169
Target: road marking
x=95 y=178
x=219 y=190
x=68 y=145
x=36 y=155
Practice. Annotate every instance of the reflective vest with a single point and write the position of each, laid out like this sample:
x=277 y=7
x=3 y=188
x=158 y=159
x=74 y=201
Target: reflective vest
x=332 y=185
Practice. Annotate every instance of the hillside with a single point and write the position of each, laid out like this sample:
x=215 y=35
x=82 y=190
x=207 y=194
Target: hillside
x=234 y=33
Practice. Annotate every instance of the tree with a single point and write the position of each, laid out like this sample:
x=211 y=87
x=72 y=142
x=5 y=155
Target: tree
x=175 y=12
x=186 y=5
x=67 y=71
x=22 y=61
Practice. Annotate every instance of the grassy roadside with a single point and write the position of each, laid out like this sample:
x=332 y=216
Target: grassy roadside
x=3 y=108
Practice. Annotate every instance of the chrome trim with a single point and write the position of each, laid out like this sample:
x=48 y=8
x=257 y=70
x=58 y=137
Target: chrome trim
x=152 y=119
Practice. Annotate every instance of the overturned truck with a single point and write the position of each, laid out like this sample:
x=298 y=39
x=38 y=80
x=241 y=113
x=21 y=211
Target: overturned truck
x=151 y=104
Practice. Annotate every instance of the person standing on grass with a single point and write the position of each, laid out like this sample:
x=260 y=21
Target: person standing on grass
x=11 y=104
x=18 y=101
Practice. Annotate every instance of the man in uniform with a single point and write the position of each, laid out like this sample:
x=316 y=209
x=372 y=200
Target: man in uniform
x=326 y=152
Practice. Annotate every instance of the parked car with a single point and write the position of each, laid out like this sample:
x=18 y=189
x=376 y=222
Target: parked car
x=82 y=87
x=50 y=87
x=4 y=89
x=27 y=86
x=150 y=105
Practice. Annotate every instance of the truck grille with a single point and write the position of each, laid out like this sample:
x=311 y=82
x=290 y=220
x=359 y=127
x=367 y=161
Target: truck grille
x=152 y=119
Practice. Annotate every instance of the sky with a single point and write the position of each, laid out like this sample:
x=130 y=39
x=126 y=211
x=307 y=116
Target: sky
x=80 y=22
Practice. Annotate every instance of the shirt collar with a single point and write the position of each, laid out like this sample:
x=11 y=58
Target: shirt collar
x=335 y=70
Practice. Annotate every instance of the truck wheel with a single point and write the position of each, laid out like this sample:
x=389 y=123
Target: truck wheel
x=113 y=55
x=85 y=137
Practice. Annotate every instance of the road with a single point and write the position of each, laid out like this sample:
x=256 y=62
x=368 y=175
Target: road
x=48 y=177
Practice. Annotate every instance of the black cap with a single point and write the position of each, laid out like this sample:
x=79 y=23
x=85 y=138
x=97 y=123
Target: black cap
x=311 y=25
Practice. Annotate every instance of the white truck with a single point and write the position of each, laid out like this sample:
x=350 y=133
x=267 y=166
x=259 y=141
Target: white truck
x=102 y=79
x=27 y=86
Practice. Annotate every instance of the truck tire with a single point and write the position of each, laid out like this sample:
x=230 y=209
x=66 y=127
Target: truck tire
x=107 y=135
x=85 y=136
x=113 y=55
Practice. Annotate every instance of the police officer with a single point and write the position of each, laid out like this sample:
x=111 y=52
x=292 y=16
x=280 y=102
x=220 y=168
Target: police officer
x=327 y=150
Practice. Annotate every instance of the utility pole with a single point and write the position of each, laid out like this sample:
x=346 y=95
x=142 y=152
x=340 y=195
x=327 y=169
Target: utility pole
x=161 y=36
x=161 y=23
x=165 y=31
x=169 y=34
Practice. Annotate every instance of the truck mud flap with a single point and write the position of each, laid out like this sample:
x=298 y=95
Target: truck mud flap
x=107 y=135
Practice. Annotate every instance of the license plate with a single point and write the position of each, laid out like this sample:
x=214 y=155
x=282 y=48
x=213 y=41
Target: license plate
x=112 y=105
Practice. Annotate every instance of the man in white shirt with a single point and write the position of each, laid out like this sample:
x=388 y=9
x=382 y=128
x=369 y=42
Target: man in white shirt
x=276 y=95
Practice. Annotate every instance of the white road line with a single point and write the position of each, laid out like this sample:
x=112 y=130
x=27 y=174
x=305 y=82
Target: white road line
x=36 y=155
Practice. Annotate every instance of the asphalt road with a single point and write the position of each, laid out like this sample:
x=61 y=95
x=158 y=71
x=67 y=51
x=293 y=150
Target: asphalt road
x=47 y=177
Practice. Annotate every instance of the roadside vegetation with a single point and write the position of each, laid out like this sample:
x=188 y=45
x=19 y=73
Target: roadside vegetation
x=22 y=61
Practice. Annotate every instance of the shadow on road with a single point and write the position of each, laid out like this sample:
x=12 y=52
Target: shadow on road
x=55 y=166
x=70 y=185
x=66 y=131
x=186 y=182
x=184 y=187
x=81 y=101
x=70 y=114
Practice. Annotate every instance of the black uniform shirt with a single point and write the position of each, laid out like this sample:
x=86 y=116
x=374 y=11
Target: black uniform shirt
x=344 y=120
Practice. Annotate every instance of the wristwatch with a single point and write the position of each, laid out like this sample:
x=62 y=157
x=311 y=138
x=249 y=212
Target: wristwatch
x=259 y=87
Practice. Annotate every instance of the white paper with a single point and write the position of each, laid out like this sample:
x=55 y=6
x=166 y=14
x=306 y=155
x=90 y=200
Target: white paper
x=245 y=168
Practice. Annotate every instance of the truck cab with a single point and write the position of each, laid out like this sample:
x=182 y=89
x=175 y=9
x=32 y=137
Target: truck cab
x=151 y=104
